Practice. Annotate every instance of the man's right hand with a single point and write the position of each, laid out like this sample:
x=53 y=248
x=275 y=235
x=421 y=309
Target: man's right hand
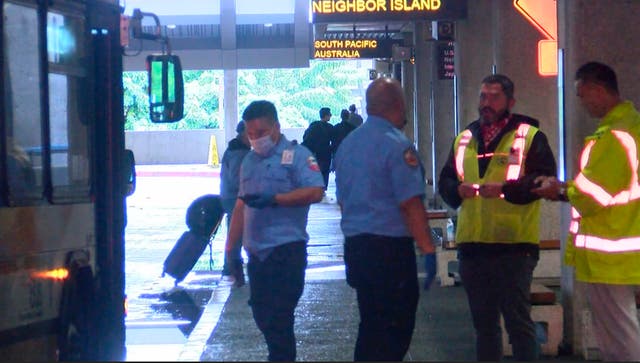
x=468 y=190
x=426 y=247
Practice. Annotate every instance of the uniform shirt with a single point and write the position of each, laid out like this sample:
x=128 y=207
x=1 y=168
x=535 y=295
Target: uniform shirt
x=286 y=168
x=377 y=168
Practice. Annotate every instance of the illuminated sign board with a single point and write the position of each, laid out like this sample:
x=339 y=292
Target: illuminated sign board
x=350 y=11
x=352 y=48
x=446 y=64
x=542 y=14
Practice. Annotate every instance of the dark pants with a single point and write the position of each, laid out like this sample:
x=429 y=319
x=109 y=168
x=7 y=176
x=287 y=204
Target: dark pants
x=383 y=272
x=236 y=252
x=500 y=285
x=324 y=162
x=276 y=285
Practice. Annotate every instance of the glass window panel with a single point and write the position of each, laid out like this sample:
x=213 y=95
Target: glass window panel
x=22 y=103
x=69 y=107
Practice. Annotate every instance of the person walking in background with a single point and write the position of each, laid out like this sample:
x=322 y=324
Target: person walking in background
x=318 y=138
x=488 y=178
x=354 y=118
x=604 y=235
x=232 y=158
x=380 y=189
x=341 y=130
x=279 y=180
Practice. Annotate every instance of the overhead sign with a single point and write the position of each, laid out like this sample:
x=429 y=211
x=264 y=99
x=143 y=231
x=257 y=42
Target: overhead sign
x=542 y=14
x=352 y=11
x=352 y=48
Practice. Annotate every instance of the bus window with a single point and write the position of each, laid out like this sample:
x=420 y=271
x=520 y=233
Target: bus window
x=69 y=115
x=22 y=104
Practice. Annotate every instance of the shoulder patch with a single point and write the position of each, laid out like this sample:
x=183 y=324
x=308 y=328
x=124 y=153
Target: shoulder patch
x=410 y=157
x=313 y=164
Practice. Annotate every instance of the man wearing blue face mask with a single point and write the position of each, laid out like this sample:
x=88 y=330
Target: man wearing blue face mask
x=278 y=181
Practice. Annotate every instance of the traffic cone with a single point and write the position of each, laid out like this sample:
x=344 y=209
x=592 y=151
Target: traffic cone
x=213 y=160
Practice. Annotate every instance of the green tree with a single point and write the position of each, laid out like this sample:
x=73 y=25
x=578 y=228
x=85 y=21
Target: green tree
x=298 y=94
x=136 y=100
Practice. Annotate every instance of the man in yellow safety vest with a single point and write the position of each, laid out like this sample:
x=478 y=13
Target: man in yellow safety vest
x=488 y=178
x=604 y=238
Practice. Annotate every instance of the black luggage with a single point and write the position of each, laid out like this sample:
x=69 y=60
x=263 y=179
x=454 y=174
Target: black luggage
x=204 y=215
x=203 y=219
x=184 y=255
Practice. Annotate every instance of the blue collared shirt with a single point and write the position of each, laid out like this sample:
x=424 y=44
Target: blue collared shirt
x=288 y=167
x=377 y=168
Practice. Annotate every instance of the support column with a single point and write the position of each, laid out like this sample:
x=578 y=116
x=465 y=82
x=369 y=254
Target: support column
x=228 y=34
x=421 y=101
x=444 y=121
x=230 y=104
x=409 y=87
x=302 y=33
x=230 y=68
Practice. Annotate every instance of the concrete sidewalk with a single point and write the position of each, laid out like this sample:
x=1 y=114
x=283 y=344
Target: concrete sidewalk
x=327 y=323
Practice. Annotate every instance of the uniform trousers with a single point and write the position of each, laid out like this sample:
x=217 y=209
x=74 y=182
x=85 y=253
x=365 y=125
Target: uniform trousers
x=276 y=285
x=500 y=284
x=383 y=272
x=615 y=321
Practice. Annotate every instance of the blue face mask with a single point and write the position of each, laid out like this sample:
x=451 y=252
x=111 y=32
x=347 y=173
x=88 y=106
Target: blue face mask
x=262 y=145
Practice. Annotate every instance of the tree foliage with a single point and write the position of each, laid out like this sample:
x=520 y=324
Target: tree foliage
x=298 y=94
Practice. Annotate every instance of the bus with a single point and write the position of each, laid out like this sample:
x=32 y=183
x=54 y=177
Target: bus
x=64 y=179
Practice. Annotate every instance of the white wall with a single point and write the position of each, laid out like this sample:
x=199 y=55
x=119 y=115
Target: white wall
x=182 y=146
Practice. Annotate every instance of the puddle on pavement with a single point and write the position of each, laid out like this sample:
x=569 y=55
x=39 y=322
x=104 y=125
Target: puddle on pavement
x=182 y=305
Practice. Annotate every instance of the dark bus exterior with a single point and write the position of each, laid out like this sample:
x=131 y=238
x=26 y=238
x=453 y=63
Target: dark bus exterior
x=63 y=181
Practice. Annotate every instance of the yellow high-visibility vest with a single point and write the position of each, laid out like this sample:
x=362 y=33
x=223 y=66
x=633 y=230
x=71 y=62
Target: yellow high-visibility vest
x=604 y=234
x=491 y=220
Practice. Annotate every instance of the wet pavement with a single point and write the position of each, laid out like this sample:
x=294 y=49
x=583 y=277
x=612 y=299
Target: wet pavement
x=200 y=321
x=161 y=318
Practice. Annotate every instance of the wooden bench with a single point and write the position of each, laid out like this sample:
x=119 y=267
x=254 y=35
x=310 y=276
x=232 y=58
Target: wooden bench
x=548 y=265
x=547 y=314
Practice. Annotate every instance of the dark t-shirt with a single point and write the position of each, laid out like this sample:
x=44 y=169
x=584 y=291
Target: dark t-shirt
x=340 y=131
x=318 y=138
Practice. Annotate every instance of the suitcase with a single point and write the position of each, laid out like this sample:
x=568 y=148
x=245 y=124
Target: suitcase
x=204 y=215
x=203 y=219
x=184 y=255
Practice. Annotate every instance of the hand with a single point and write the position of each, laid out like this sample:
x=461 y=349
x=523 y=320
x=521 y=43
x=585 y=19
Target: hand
x=547 y=187
x=259 y=201
x=430 y=268
x=491 y=190
x=467 y=190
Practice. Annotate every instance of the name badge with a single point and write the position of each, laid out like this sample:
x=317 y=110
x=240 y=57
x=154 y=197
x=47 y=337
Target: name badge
x=287 y=157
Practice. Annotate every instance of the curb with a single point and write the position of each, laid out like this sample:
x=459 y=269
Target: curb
x=197 y=342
